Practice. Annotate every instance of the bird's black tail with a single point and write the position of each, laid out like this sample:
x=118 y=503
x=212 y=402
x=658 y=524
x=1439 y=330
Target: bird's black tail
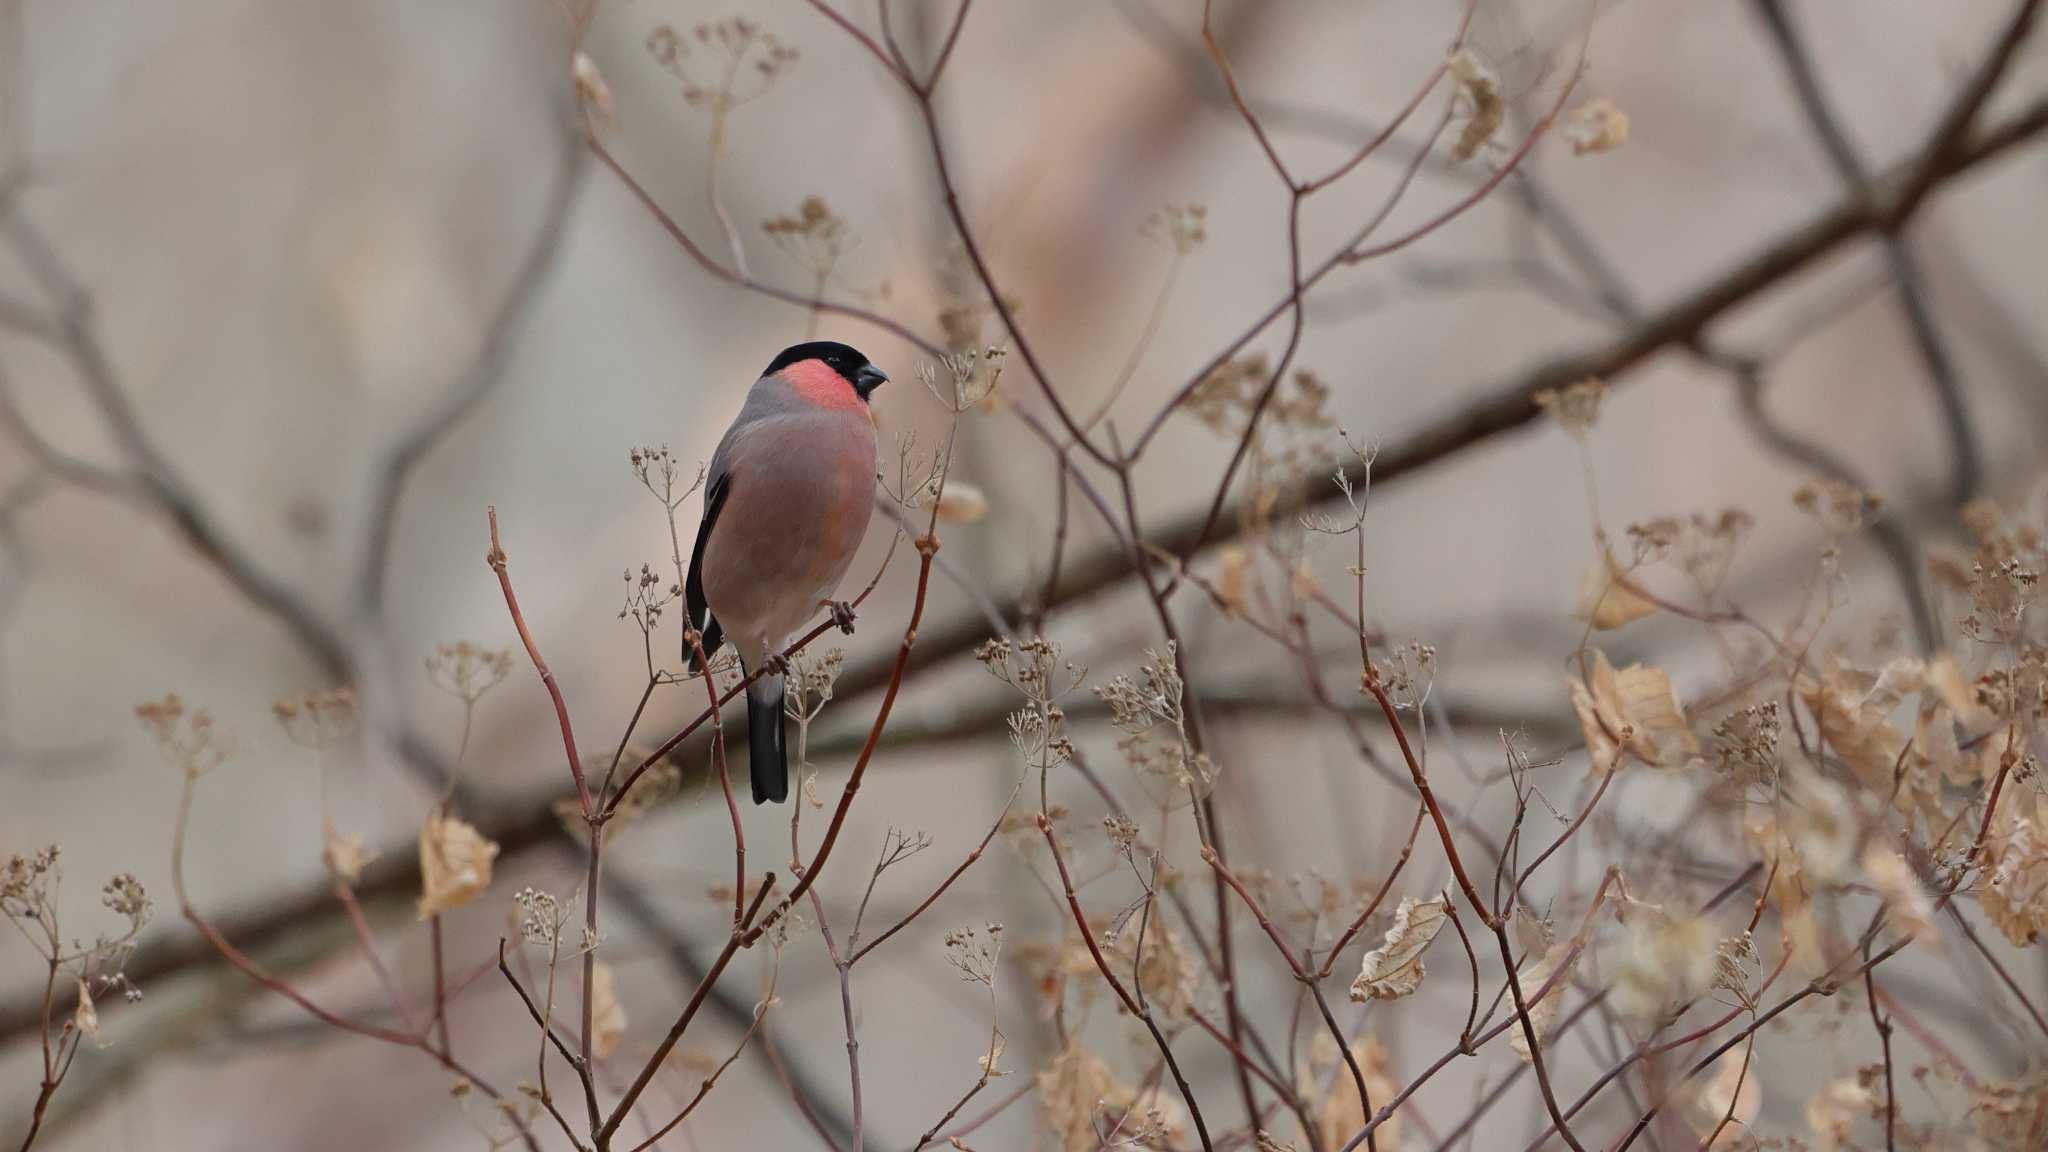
x=767 y=752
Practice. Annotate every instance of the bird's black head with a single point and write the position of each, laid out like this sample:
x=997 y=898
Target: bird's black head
x=843 y=359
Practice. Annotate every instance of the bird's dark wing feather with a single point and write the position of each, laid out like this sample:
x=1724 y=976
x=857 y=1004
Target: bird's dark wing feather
x=693 y=587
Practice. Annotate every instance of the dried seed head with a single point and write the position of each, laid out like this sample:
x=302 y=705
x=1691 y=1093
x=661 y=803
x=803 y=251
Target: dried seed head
x=1575 y=407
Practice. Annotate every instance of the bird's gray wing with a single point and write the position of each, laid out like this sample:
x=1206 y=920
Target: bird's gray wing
x=693 y=587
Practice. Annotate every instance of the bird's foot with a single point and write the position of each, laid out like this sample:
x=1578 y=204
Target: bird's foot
x=842 y=614
x=777 y=664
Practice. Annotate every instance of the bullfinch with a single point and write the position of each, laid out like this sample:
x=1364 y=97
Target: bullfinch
x=786 y=503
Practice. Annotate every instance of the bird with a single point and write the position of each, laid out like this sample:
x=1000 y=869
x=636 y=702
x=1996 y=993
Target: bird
x=786 y=503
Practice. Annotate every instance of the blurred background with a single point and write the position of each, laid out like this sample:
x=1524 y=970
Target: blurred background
x=355 y=277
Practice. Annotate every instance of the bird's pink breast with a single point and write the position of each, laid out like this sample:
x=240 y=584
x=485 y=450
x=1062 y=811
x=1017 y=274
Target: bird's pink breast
x=802 y=490
x=819 y=384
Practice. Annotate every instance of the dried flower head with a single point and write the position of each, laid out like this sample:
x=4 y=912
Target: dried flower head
x=808 y=685
x=976 y=955
x=1575 y=407
x=188 y=741
x=1154 y=742
x=646 y=596
x=317 y=719
x=1735 y=958
x=813 y=236
x=467 y=671
x=1746 y=743
x=124 y=896
x=1841 y=508
x=1409 y=674
x=25 y=882
x=1182 y=226
x=661 y=783
x=541 y=917
x=2000 y=591
x=747 y=61
x=1123 y=831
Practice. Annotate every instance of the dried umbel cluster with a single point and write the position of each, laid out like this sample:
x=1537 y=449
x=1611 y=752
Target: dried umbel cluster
x=188 y=740
x=1182 y=227
x=808 y=685
x=1037 y=671
x=744 y=61
x=466 y=671
x=317 y=720
x=814 y=236
x=1285 y=420
x=1150 y=713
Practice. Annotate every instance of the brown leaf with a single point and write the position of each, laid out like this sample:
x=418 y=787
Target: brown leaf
x=1541 y=1012
x=1634 y=711
x=1734 y=1084
x=1606 y=600
x=607 y=1014
x=1394 y=969
x=455 y=864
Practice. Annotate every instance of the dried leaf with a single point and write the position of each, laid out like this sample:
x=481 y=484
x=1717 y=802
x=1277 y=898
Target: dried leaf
x=1533 y=933
x=1946 y=680
x=1072 y=1089
x=2015 y=898
x=1664 y=962
x=87 y=1018
x=1605 y=600
x=1340 y=1113
x=1596 y=126
x=1233 y=578
x=1833 y=1111
x=2005 y=1114
x=1394 y=969
x=1903 y=895
x=455 y=864
x=1730 y=1084
x=1631 y=711
x=344 y=855
x=607 y=1014
x=962 y=503
x=1543 y=1011
x=592 y=92
x=1480 y=101
x=988 y=1060
x=1852 y=710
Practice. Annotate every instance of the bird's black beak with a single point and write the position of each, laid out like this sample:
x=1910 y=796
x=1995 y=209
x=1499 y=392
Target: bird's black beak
x=865 y=380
